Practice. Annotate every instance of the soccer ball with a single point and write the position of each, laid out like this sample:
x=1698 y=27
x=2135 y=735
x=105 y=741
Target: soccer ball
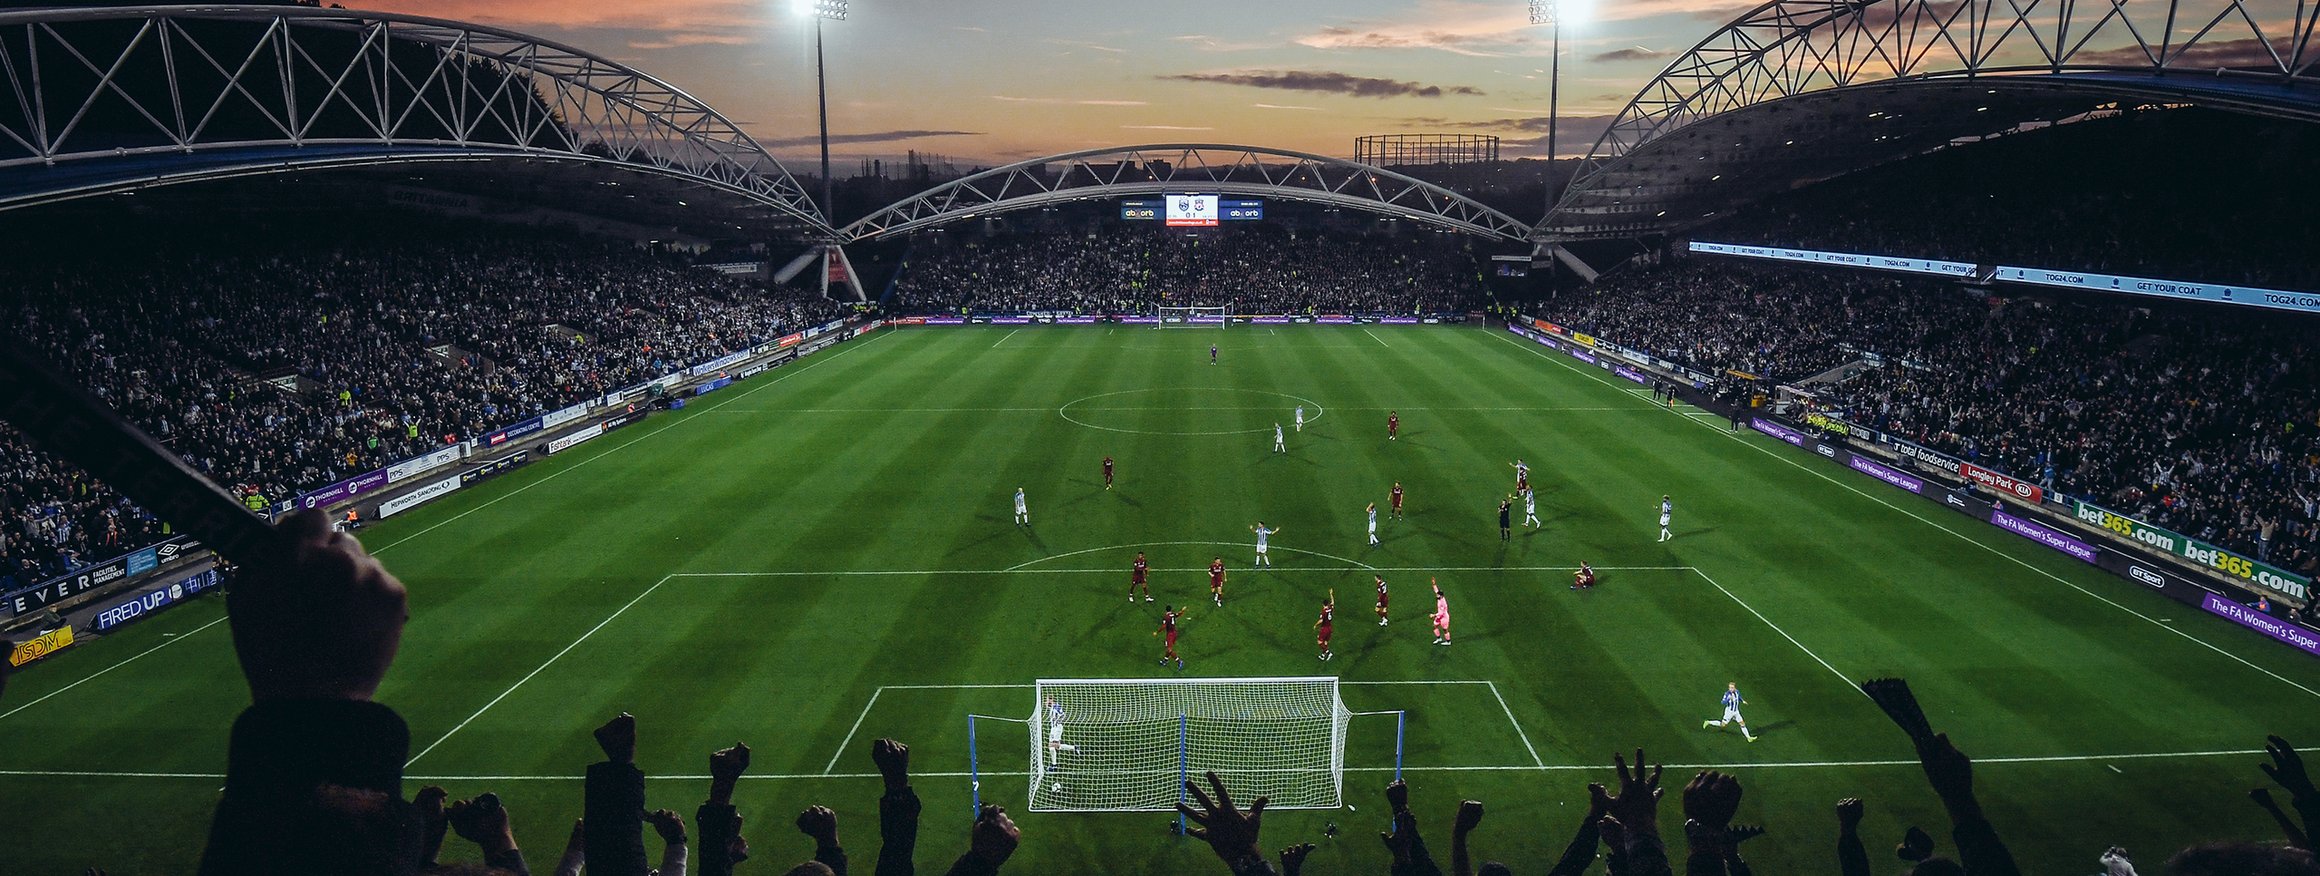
x=1057 y=787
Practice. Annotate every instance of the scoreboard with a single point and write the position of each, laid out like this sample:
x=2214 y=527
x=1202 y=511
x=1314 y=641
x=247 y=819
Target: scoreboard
x=1192 y=210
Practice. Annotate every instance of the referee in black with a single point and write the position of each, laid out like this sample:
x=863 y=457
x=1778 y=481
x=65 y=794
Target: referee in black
x=1505 y=522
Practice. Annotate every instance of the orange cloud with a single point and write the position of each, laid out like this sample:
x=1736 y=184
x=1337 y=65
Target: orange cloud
x=684 y=16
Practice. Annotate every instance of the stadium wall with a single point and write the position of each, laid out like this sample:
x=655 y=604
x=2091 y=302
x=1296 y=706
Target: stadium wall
x=2225 y=587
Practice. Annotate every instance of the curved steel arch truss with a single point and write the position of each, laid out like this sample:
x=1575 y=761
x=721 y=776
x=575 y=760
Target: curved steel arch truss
x=104 y=99
x=2248 y=55
x=1189 y=167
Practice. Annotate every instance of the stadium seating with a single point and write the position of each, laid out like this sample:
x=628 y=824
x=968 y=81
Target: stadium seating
x=2204 y=420
x=1264 y=269
x=319 y=360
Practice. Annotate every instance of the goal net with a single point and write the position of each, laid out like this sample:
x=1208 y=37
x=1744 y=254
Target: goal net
x=1215 y=316
x=1127 y=745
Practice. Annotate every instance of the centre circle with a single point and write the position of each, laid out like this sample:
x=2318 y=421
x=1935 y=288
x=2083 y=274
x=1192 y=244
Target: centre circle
x=1188 y=411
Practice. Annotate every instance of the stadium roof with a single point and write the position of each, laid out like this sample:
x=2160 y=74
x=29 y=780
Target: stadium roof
x=1796 y=91
x=109 y=100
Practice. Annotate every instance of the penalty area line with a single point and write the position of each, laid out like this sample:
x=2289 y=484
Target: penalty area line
x=1518 y=730
x=850 y=731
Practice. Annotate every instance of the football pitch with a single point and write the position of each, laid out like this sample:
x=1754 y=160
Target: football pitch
x=824 y=555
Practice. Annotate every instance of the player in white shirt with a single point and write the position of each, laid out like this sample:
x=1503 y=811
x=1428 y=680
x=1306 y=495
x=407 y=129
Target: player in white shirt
x=1667 y=515
x=1300 y=418
x=1022 y=509
x=1373 y=523
x=1732 y=703
x=1531 y=509
x=1263 y=557
x=1279 y=446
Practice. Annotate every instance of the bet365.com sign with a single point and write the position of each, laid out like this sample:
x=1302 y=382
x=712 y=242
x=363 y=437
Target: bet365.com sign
x=2231 y=564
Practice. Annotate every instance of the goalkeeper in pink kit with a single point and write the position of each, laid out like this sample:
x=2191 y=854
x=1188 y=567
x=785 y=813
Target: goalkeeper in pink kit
x=1441 y=614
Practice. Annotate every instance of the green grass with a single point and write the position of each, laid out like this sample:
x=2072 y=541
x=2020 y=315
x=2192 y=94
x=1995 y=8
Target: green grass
x=547 y=600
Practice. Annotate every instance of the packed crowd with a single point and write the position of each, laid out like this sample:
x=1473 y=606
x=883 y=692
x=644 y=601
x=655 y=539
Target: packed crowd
x=2119 y=185
x=2203 y=420
x=314 y=783
x=310 y=364
x=1259 y=269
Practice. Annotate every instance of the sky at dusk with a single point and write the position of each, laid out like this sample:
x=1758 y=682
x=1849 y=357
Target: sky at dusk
x=991 y=81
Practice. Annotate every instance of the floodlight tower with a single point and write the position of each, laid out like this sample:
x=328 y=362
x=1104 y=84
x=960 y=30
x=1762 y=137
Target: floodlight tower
x=824 y=10
x=1550 y=13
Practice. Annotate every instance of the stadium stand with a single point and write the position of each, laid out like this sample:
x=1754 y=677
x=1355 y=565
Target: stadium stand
x=2118 y=185
x=2202 y=419
x=326 y=356
x=1263 y=269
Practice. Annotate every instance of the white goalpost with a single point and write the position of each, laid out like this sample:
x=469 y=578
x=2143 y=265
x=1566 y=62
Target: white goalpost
x=1128 y=745
x=1203 y=316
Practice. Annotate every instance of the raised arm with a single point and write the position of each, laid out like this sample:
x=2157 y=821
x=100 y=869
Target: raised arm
x=898 y=809
x=314 y=768
x=613 y=806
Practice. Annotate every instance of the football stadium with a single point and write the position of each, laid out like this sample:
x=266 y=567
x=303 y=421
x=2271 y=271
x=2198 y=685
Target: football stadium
x=1859 y=436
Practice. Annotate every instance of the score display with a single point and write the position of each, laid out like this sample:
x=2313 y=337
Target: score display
x=1190 y=210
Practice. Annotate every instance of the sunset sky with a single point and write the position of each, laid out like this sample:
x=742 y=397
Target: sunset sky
x=987 y=81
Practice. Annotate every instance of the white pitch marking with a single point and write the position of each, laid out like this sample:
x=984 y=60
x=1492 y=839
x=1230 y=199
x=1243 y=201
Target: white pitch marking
x=792 y=372
x=1002 y=340
x=1114 y=571
x=1020 y=566
x=849 y=740
x=1808 y=652
x=1198 y=409
x=537 y=670
x=1510 y=768
x=1518 y=730
x=91 y=676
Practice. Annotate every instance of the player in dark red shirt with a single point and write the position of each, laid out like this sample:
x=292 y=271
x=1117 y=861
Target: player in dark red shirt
x=1393 y=425
x=1167 y=632
x=1321 y=627
x=1584 y=578
x=1216 y=580
x=1136 y=579
x=1381 y=609
x=1397 y=497
x=1107 y=472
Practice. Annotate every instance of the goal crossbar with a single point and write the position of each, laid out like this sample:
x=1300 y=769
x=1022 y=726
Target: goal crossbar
x=1128 y=745
x=1193 y=316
